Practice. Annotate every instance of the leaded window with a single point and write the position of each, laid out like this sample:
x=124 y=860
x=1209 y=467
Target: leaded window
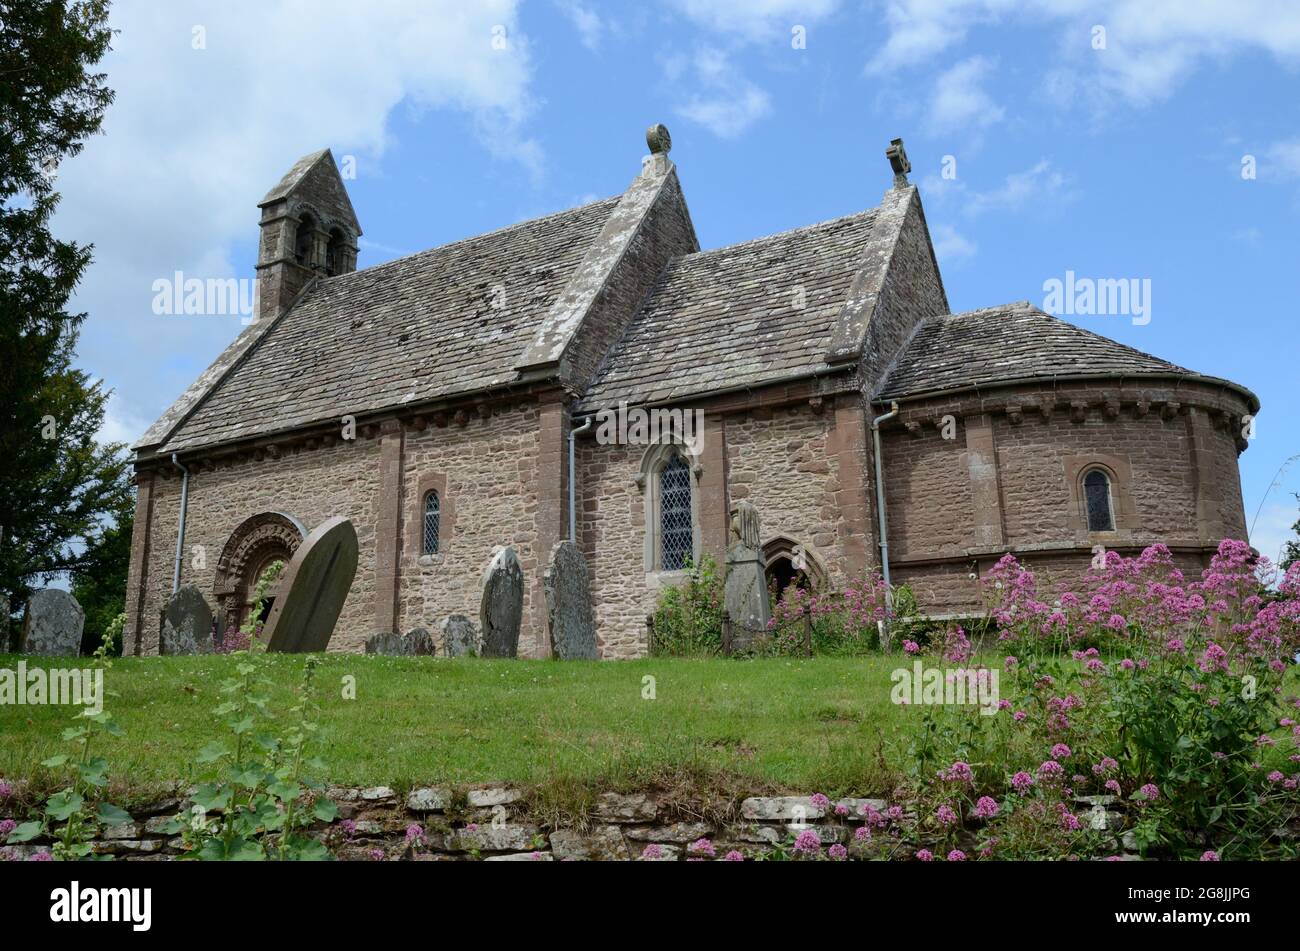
x=432 y=515
x=1096 y=492
x=676 y=531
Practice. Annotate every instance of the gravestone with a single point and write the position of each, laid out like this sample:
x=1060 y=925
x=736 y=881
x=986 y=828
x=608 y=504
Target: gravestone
x=53 y=625
x=416 y=643
x=745 y=592
x=313 y=588
x=568 y=604
x=459 y=636
x=502 y=606
x=419 y=643
x=187 y=623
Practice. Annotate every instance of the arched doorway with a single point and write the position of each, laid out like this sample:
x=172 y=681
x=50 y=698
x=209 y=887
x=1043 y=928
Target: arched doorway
x=252 y=547
x=791 y=562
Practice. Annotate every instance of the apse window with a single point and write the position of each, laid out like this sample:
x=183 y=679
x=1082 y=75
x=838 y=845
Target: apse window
x=432 y=517
x=1097 y=497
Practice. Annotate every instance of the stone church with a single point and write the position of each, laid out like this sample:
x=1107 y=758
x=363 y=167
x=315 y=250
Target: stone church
x=440 y=402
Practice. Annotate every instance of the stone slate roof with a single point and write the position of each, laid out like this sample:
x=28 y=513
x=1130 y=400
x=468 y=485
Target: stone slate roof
x=728 y=317
x=419 y=328
x=1010 y=342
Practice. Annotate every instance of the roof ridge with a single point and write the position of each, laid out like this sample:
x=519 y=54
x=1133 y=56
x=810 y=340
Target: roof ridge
x=467 y=239
x=778 y=235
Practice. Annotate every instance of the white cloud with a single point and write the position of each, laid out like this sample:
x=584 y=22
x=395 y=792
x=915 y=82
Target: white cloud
x=1273 y=527
x=959 y=99
x=755 y=20
x=949 y=245
x=1151 y=45
x=1281 y=161
x=725 y=102
x=1040 y=185
x=197 y=136
x=585 y=20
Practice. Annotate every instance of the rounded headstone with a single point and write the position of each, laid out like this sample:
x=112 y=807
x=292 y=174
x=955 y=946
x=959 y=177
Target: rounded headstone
x=502 y=606
x=387 y=645
x=187 y=623
x=459 y=636
x=568 y=604
x=419 y=643
x=53 y=624
x=313 y=588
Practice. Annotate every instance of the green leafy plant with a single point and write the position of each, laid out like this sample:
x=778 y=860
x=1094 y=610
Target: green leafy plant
x=688 y=617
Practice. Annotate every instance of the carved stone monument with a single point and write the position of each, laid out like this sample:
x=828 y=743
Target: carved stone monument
x=459 y=636
x=53 y=624
x=745 y=593
x=568 y=604
x=313 y=588
x=416 y=643
x=187 y=623
x=503 y=604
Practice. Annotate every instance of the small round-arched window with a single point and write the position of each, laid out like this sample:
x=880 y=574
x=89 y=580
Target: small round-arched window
x=302 y=246
x=432 y=516
x=1097 y=499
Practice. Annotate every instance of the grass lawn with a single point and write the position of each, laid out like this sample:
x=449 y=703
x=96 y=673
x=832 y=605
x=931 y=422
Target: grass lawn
x=773 y=724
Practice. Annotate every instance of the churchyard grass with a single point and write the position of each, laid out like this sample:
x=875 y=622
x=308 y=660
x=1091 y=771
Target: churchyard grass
x=774 y=724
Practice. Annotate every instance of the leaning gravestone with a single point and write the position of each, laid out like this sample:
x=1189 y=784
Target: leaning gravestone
x=568 y=604
x=503 y=604
x=53 y=625
x=187 y=623
x=313 y=588
x=459 y=636
x=745 y=591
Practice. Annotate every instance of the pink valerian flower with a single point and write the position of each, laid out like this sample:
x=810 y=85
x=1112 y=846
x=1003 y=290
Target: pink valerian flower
x=1021 y=782
x=1019 y=716
x=986 y=807
x=924 y=855
x=1050 y=771
x=736 y=856
x=958 y=772
x=1215 y=658
x=1209 y=856
x=376 y=855
x=1060 y=751
x=5 y=790
x=841 y=809
x=6 y=826
x=911 y=647
x=1070 y=822
x=1011 y=660
x=819 y=801
x=652 y=852
x=861 y=834
x=1112 y=785
x=837 y=852
x=40 y=857
x=415 y=834
x=702 y=847
x=956 y=855
x=957 y=647
x=1274 y=777
x=349 y=828
x=808 y=842
x=1107 y=765
x=1127 y=664
x=472 y=827
x=945 y=814
x=1150 y=792
x=895 y=813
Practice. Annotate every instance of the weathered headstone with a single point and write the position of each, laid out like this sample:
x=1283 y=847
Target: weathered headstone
x=568 y=604
x=459 y=636
x=53 y=624
x=187 y=623
x=745 y=592
x=502 y=606
x=416 y=643
x=313 y=588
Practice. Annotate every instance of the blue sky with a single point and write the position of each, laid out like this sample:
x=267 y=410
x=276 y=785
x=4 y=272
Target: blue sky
x=1124 y=161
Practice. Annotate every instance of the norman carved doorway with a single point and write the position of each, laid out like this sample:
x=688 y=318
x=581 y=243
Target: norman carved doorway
x=253 y=546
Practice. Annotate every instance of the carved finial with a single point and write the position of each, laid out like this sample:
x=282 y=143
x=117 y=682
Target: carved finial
x=657 y=137
x=898 y=162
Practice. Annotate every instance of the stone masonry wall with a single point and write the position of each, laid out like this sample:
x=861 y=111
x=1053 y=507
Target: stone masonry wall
x=310 y=485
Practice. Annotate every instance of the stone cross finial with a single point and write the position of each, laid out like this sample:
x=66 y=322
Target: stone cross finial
x=658 y=139
x=898 y=162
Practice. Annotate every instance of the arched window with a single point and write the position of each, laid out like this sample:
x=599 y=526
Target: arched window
x=1096 y=495
x=302 y=245
x=334 y=253
x=432 y=516
x=676 y=532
